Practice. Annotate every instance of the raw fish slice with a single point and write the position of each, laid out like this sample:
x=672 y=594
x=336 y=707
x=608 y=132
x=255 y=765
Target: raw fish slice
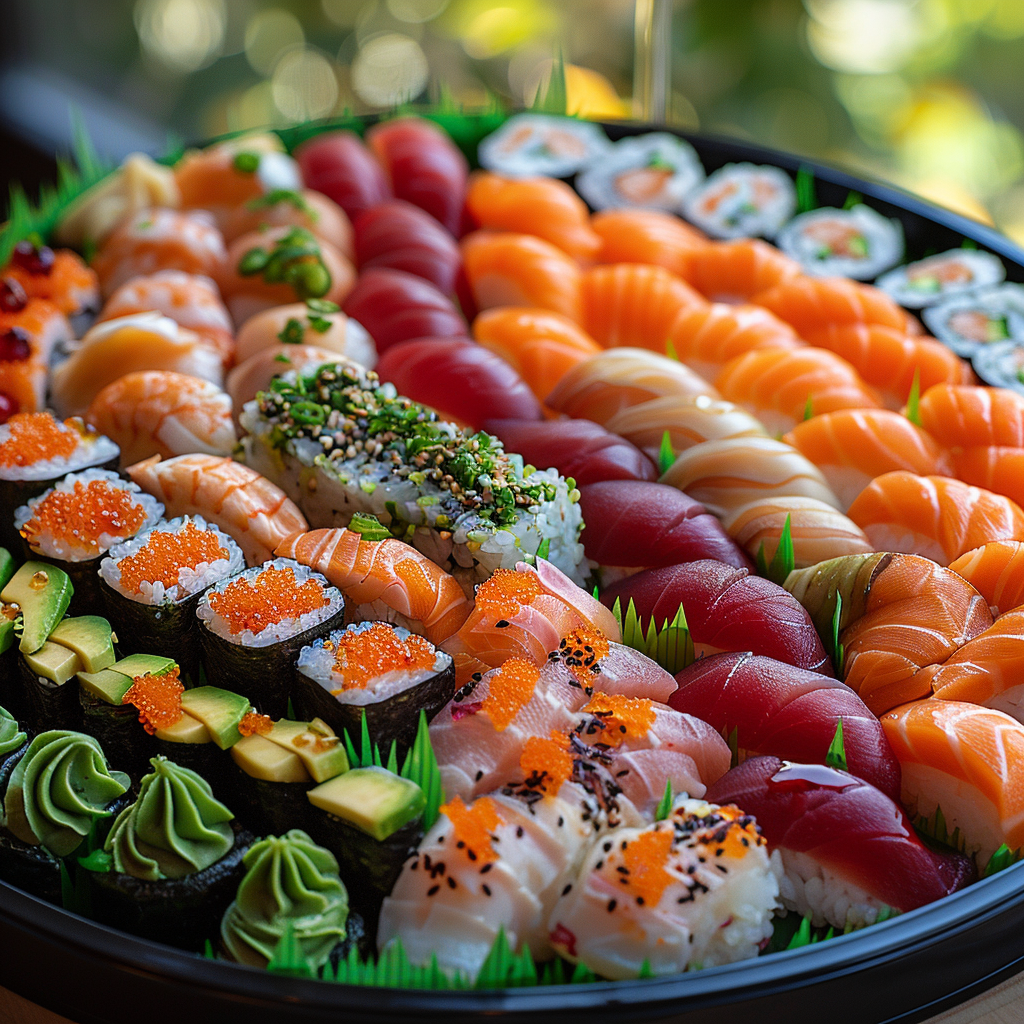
x=817 y=530
x=687 y=421
x=300 y=324
x=723 y=475
x=727 y=609
x=246 y=506
x=786 y=712
x=1000 y=470
x=307 y=209
x=506 y=269
x=633 y=304
x=544 y=207
x=934 y=516
x=340 y=166
x=853 y=446
x=577 y=448
x=735 y=272
x=621 y=672
x=966 y=760
x=779 y=388
x=646 y=236
x=831 y=826
x=599 y=387
x=426 y=370
x=633 y=525
x=394 y=306
x=248 y=379
x=29 y=336
x=961 y=416
x=996 y=571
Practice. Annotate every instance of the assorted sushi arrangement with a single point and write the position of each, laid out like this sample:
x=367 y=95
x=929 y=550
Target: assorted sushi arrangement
x=569 y=563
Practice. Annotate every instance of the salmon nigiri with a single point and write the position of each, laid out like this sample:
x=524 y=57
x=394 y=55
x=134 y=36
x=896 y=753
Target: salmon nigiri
x=646 y=236
x=320 y=324
x=996 y=571
x=246 y=506
x=934 y=516
x=962 y=416
x=993 y=467
x=307 y=209
x=633 y=304
x=853 y=446
x=384 y=578
x=966 y=760
x=737 y=271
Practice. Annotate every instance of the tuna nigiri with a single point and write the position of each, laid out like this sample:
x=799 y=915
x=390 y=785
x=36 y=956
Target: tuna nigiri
x=996 y=571
x=646 y=236
x=962 y=416
x=340 y=166
x=737 y=271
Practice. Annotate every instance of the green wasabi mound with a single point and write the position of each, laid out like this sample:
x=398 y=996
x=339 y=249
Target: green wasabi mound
x=11 y=736
x=59 y=788
x=176 y=827
x=289 y=880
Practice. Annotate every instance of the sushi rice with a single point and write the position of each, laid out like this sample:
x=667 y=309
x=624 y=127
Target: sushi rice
x=91 y=449
x=1001 y=365
x=968 y=324
x=742 y=201
x=812 y=890
x=930 y=281
x=856 y=243
x=541 y=144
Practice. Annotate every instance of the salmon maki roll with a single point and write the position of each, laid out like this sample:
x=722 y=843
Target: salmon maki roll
x=601 y=386
x=934 y=516
x=706 y=337
x=248 y=379
x=190 y=300
x=163 y=413
x=293 y=209
x=29 y=330
x=814 y=303
x=646 y=236
x=853 y=446
x=890 y=360
x=251 y=510
x=60 y=276
x=545 y=207
x=966 y=760
x=160 y=239
x=542 y=346
x=997 y=469
x=781 y=387
x=996 y=571
x=506 y=269
x=735 y=272
x=962 y=416
x=633 y=304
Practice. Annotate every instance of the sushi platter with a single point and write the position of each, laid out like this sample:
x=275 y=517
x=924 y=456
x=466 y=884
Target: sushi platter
x=467 y=565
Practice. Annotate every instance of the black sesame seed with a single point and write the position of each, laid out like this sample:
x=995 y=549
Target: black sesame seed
x=433 y=890
x=451 y=882
x=567 y=889
x=612 y=904
x=486 y=889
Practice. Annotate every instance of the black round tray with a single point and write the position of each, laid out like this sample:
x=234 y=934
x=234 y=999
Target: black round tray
x=907 y=969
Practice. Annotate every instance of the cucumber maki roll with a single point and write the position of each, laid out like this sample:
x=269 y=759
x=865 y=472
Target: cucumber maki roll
x=152 y=585
x=378 y=670
x=254 y=624
x=970 y=323
x=742 y=201
x=857 y=243
x=931 y=280
x=530 y=145
x=1002 y=365
x=175 y=860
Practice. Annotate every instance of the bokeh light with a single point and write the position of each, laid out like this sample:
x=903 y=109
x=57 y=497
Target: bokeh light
x=269 y=35
x=865 y=36
x=389 y=69
x=304 y=86
x=184 y=35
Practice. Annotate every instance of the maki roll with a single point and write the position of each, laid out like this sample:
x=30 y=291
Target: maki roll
x=75 y=522
x=378 y=671
x=1002 y=365
x=153 y=582
x=253 y=624
x=532 y=145
x=857 y=243
x=175 y=860
x=970 y=323
x=742 y=201
x=939 y=277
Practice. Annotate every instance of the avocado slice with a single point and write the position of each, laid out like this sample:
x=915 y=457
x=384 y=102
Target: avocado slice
x=53 y=662
x=185 y=730
x=143 y=665
x=259 y=757
x=90 y=637
x=374 y=800
x=7 y=616
x=7 y=566
x=322 y=752
x=43 y=593
x=219 y=710
x=107 y=685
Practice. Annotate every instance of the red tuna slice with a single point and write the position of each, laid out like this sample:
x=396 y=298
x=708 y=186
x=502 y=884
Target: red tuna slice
x=401 y=236
x=844 y=824
x=578 y=448
x=460 y=379
x=787 y=712
x=424 y=166
x=634 y=524
x=727 y=609
x=340 y=166
x=394 y=306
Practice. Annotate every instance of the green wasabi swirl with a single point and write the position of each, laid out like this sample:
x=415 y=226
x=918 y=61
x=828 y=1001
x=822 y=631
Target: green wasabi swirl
x=289 y=879
x=175 y=828
x=58 y=789
x=11 y=737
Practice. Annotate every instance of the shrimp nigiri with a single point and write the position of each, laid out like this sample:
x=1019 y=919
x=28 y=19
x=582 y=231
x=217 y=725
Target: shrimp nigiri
x=996 y=571
x=646 y=236
x=737 y=271
x=963 y=416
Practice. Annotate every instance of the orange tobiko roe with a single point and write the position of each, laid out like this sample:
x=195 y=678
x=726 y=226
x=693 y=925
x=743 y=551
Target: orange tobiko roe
x=267 y=599
x=36 y=437
x=86 y=513
x=158 y=698
x=255 y=724
x=506 y=592
x=581 y=652
x=645 y=858
x=473 y=826
x=164 y=554
x=364 y=655
x=511 y=689
x=623 y=717
x=546 y=763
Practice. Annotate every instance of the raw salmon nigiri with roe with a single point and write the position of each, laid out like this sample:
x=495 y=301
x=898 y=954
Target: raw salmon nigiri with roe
x=996 y=571
x=646 y=236
x=734 y=272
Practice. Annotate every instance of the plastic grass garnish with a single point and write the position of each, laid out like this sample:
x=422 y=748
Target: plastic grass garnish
x=596 y=593
x=664 y=808
x=288 y=958
x=1003 y=858
x=666 y=456
x=809 y=408
x=838 y=650
x=913 y=412
x=670 y=350
x=544 y=549
x=805 y=196
x=671 y=646
x=645 y=970
x=934 y=827
x=783 y=561
x=505 y=969
x=836 y=756
x=852 y=199
x=420 y=766
x=553 y=96
x=968 y=243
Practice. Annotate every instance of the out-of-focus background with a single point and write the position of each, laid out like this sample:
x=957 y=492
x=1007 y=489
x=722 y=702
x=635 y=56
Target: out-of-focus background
x=923 y=93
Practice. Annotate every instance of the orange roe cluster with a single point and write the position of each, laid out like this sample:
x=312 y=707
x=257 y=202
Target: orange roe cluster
x=36 y=437
x=255 y=724
x=729 y=832
x=623 y=717
x=253 y=603
x=581 y=652
x=502 y=596
x=164 y=554
x=546 y=762
x=86 y=513
x=474 y=827
x=644 y=859
x=511 y=689
x=364 y=655
x=158 y=699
